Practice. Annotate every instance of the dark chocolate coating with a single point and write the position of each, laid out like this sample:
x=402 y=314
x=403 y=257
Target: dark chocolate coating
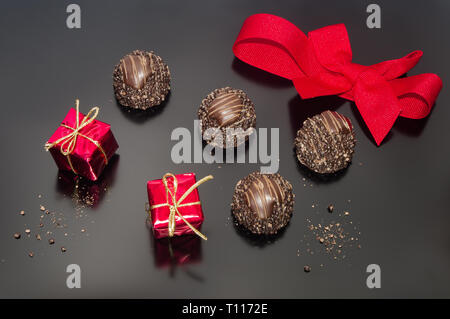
x=136 y=69
x=325 y=143
x=262 y=195
x=225 y=108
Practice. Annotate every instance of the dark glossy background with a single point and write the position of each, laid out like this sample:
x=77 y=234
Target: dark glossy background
x=399 y=193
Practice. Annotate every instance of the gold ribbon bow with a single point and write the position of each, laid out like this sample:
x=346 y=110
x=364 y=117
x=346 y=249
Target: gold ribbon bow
x=69 y=141
x=176 y=204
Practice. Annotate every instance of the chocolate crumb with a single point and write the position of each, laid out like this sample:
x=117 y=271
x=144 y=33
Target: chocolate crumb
x=51 y=241
x=38 y=237
x=31 y=254
x=22 y=213
x=330 y=208
x=307 y=268
x=63 y=249
x=16 y=235
x=27 y=231
x=42 y=208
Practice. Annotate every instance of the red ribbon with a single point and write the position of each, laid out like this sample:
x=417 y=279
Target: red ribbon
x=321 y=64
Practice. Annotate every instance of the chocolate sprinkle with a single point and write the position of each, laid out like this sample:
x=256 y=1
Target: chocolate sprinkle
x=141 y=80
x=263 y=203
x=325 y=143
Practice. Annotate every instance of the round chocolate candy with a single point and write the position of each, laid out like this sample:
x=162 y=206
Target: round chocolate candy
x=141 y=80
x=263 y=203
x=227 y=117
x=325 y=143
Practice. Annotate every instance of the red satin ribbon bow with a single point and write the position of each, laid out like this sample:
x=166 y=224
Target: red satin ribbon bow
x=321 y=64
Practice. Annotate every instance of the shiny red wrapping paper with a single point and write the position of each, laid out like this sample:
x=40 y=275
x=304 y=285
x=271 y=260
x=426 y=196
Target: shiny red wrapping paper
x=159 y=216
x=87 y=159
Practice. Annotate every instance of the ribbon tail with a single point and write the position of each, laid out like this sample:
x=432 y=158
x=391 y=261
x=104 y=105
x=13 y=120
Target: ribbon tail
x=377 y=103
x=195 y=230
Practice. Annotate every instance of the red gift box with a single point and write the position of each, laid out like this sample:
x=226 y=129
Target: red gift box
x=175 y=207
x=82 y=144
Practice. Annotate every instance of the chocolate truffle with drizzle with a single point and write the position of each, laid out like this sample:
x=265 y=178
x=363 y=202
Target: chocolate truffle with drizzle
x=263 y=203
x=225 y=109
x=325 y=143
x=141 y=80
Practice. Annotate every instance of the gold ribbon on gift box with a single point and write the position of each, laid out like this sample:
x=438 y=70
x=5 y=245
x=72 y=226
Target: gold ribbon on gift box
x=69 y=141
x=178 y=203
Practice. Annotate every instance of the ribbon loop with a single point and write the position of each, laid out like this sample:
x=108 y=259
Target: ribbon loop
x=173 y=204
x=321 y=64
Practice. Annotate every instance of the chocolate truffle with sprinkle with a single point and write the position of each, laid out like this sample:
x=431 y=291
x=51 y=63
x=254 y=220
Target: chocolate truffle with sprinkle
x=263 y=203
x=141 y=80
x=325 y=143
x=225 y=109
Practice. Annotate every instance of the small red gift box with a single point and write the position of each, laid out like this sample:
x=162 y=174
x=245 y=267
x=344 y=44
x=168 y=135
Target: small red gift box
x=82 y=144
x=175 y=207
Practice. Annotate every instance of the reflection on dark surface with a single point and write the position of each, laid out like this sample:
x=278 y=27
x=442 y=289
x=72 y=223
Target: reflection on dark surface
x=301 y=109
x=257 y=240
x=258 y=75
x=177 y=252
x=317 y=177
x=363 y=127
x=140 y=116
x=411 y=127
x=83 y=191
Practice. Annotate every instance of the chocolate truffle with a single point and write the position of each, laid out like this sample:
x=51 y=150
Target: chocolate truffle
x=227 y=117
x=263 y=203
x=325 y=143
x=141 y=80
